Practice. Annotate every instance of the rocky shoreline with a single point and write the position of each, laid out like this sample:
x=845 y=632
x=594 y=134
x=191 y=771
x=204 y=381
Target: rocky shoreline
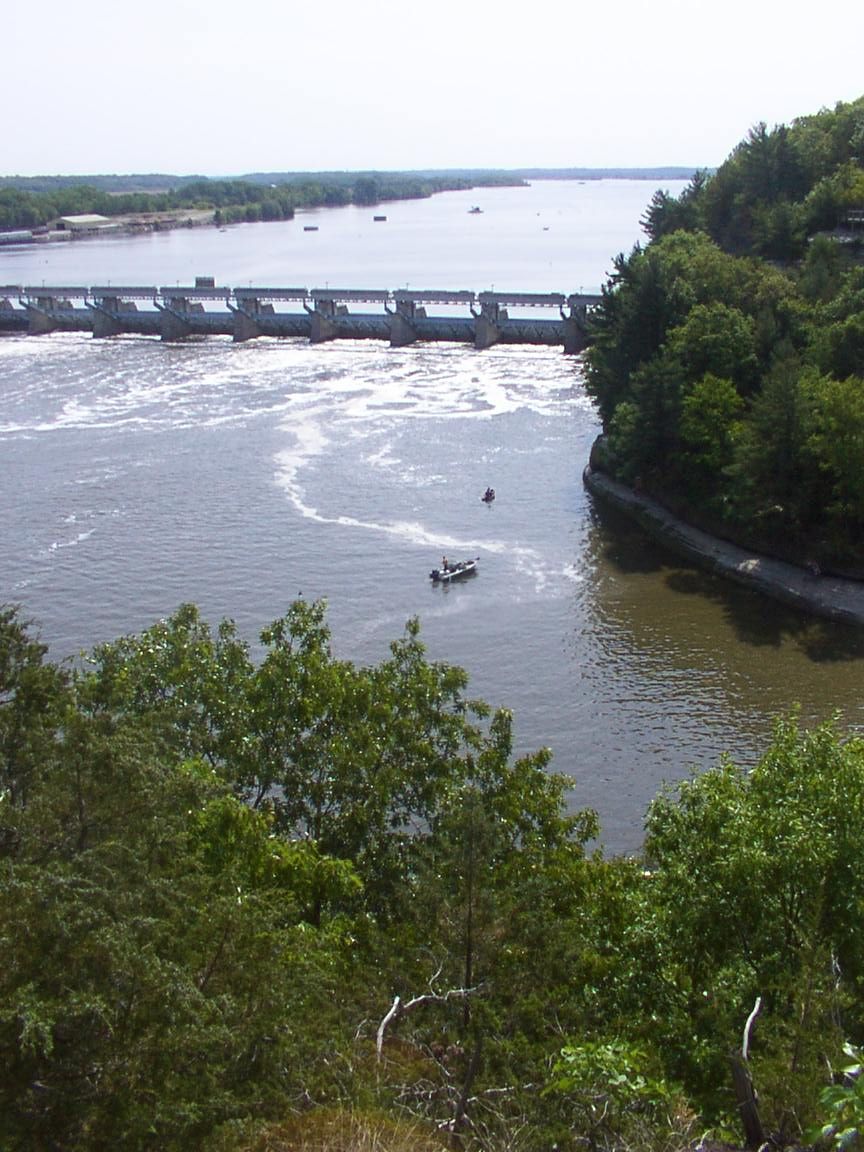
x=830 y=597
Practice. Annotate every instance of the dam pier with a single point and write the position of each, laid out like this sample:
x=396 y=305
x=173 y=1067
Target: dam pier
x=400 y=317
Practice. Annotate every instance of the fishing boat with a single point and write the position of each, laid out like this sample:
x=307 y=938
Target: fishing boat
x=448 y=572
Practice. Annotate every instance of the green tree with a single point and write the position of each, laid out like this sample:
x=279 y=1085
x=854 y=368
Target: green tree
x=839 y=347
x=666 y=213
x=719 y=339
x=836 y=441
x=32 y=698
x=188 y=684
x=499 y=875
x=616 y=1095
x=642 y=301
x=366 y=190
x=710 y=420
x=770 y=864
x=822 y=270
x=161 y=988
x=773 y=481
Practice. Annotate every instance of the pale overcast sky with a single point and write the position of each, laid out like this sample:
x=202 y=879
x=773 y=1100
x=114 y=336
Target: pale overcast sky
x=223 y=87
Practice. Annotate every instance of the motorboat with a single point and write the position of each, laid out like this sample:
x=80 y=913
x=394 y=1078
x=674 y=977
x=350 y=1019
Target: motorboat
x=448 y=572
x=488 y=496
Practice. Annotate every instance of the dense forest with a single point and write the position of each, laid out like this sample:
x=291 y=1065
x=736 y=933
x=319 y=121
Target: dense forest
x=34 y=202
x=728 y=353
x=292 y=903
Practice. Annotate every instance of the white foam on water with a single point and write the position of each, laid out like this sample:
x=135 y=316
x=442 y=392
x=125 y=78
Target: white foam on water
x=71 y=542
x=141 y=381
x=352 y=401
x=359 y=405
x=309 y=442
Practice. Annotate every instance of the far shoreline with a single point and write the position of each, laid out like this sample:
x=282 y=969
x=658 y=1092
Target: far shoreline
x=829 y=597
x=137 y=224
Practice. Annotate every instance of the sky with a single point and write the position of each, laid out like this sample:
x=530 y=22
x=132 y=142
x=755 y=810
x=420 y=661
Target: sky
x=223 y=87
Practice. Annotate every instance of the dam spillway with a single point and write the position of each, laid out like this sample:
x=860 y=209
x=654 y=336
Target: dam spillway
x=400 y=317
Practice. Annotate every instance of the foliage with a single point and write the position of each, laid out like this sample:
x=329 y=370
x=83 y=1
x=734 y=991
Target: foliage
x=32 y=697
x=218 y=875
x=752 y=278
x=209 y=849
x=666 y=214
x=709 y=428
x=617 y=1095
x=761 y=877
x=149 y=1000
x=843 y=1105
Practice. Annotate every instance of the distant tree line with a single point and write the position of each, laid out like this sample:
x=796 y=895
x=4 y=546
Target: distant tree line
x=34 y=202
x=728 y=354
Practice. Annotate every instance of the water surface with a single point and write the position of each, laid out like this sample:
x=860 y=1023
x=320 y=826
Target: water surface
x=136 y=475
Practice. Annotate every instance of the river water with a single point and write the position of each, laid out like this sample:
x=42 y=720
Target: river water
x=137 y=475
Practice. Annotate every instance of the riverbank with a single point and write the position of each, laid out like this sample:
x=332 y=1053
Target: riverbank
x=135 y=224
x=830 y=597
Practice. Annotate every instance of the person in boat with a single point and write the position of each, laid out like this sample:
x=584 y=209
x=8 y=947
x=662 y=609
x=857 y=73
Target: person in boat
x=489 y=494
x=445 y=564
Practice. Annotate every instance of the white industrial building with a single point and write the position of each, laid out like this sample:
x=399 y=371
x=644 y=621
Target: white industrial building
x=87 y=222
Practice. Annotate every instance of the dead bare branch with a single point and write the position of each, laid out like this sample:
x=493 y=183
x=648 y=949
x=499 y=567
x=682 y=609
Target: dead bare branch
x=400 y=1007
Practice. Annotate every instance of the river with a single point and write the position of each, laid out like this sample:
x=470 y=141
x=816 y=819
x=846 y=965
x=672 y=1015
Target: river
x=137 y=475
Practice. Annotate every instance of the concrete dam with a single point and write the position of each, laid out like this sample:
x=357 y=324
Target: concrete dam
x=400 y=317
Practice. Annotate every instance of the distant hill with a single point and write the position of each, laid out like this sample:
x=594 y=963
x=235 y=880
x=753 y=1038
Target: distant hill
x=160 y=182
x=478 y=176
x=150 y=183
x=664 y=173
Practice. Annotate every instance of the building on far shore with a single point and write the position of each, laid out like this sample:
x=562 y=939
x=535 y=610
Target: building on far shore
x=88 y=222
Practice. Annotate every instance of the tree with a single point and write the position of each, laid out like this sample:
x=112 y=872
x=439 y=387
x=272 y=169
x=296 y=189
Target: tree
x=822 y=270
x=357 y=760
x=773 y=481
x=666 y=214
x=499 y=876
x=216 y=873
x=836 y=441
x=366 y=190
x=164 y=984
x=187 y=684
x=770 y=864
x=710 y=420
x=642 y=301
x=716 y=338
x=32 y=697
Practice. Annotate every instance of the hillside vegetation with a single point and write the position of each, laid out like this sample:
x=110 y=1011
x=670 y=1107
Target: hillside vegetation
x=728 y=352
x=298 y=904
